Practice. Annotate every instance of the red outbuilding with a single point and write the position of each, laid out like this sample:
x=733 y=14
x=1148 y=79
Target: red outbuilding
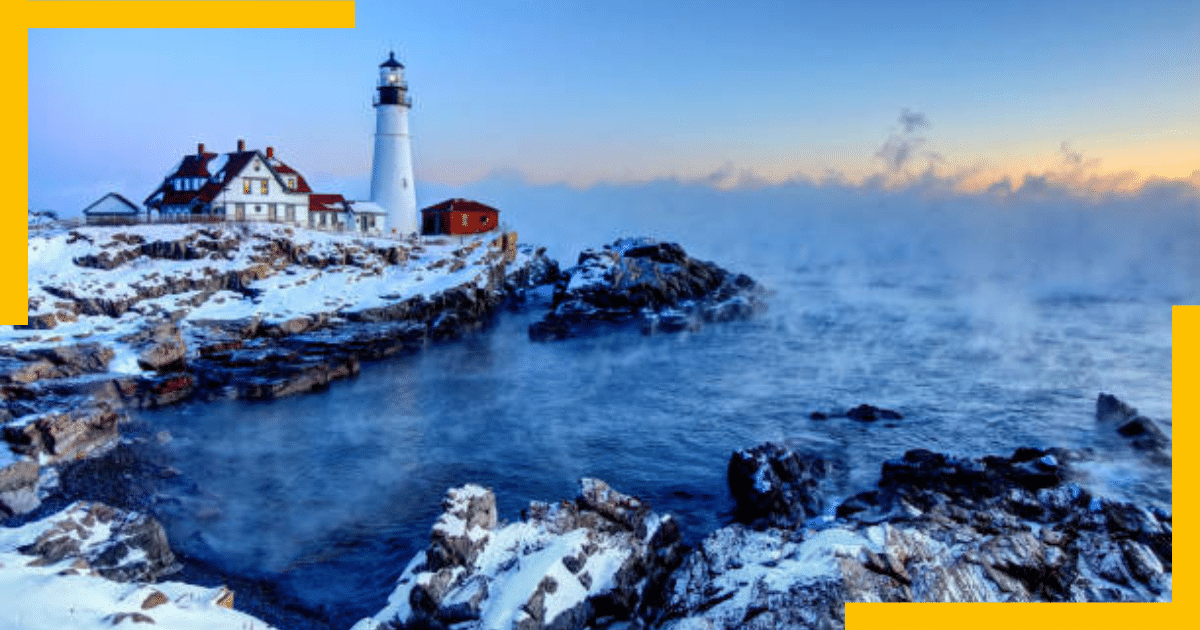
x=459 y=216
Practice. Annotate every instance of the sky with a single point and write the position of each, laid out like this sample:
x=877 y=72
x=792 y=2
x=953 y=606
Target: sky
x=979 y=95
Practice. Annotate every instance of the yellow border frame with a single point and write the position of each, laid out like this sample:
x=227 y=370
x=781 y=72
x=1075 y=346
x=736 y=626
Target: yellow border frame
x=340 y=14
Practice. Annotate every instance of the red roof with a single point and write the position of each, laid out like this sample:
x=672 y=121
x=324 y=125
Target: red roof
x=196 y=165
x=283 y=169
x=460 y=205
x=317 y=202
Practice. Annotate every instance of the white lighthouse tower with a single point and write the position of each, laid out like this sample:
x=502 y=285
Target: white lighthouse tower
x=391 y=168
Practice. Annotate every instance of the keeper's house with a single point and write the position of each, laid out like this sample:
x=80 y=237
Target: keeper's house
x=254 y=186
x=459 y=216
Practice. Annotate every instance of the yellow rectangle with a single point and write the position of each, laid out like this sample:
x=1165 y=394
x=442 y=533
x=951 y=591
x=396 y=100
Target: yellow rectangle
x=190 y=14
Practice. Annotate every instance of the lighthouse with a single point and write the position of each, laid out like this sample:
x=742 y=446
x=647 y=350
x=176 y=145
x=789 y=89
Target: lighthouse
x=391 y=167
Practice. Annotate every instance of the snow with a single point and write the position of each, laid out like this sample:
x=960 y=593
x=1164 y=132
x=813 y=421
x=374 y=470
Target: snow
x=514 y=562
x=761 y=483
x=367 y=207
x=124 y=361
x=586 y=276
x=216 y=165
x=49 y=601
x=7 y=456
x=287 y=293
x=518 y=584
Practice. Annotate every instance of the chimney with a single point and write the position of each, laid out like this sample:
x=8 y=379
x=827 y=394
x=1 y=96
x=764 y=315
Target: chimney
x=200 y=148
x=241 y=145
x=270 y=152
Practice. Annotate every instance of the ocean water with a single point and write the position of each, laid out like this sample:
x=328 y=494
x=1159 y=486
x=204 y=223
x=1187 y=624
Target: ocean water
x=988 y=327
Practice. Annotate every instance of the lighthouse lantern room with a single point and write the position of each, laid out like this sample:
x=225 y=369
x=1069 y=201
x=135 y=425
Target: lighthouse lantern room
x=391 y=169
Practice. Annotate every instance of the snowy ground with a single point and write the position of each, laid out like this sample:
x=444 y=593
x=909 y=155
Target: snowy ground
x=43 y=597
x=286 y=292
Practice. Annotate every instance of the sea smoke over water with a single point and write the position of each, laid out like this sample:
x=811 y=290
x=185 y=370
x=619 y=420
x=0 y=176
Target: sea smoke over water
x=991 y=320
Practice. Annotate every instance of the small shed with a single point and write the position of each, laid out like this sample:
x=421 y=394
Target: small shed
x=112 y=209
x=459 y=216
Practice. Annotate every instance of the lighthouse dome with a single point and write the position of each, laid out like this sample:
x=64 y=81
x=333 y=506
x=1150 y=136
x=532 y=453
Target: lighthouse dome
x=391 y=61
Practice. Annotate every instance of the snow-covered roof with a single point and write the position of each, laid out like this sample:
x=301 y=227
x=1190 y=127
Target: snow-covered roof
x=218 y=169
x=367 y=207
x=110 y=204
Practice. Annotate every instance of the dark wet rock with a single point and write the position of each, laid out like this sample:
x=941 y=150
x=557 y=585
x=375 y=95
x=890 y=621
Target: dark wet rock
x=774 y=485
x=1142 y=432
x=870 y=413
x=536 y=270
x=148 y=392
x=641 y=280
x=562 y=567
x=115 y=544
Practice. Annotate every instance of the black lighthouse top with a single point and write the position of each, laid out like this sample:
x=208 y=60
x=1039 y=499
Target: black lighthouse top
x=391 y=61
x=392 y=88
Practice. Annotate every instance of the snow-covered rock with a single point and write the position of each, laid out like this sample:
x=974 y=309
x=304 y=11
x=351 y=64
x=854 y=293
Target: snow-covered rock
x=937 y=529
x=562 y=567
x=147 y=315
x=92 y=566
x=647 y=281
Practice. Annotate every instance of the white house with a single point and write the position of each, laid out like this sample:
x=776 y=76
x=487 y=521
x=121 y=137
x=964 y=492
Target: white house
x=241 y=186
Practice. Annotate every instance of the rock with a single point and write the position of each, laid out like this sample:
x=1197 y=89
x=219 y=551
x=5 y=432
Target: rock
x=644 y=280
x=1112 y=410
x=869 y=413
x=1143 y=433
x=18 y=487
x=56 y=437
x=937 y=528
x=117 y=619
x=469 y=513
x=115 y=544
x=160 y=348
x=562 y=567
x=56 y=362
x=774 y=485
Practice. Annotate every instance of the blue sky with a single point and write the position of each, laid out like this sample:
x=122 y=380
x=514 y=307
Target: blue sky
x=587 y=92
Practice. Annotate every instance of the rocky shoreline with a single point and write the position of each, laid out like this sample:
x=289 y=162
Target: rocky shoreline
x=935 y=528
x=156 y=318
x=139 y=317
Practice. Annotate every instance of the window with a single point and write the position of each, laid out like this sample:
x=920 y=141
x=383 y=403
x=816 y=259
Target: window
x=257 y=209
x=291 y=182
x=291 y=213
x=246 y=185
x=263 y=186
x=483 y=220
x=464 y=220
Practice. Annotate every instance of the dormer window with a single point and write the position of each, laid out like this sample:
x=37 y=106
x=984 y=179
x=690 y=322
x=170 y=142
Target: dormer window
x=291 y=182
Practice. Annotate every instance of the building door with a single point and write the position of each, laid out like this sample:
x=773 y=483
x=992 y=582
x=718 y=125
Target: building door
x=239 y=212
